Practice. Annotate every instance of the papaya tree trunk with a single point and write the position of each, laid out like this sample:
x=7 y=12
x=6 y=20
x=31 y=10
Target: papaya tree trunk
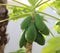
x=2 y=48
x=29 y=47
x=3 y=25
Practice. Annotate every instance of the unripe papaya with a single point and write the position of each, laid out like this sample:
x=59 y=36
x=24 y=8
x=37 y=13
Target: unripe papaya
x=26 y=22
x=40 y=39
x=41 y=26
x=31 y=33
x=22 y=41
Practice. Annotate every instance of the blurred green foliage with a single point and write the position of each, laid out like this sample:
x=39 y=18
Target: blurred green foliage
x=57 y=27
x=53 y=46
x=56 y=4
x=22 y=50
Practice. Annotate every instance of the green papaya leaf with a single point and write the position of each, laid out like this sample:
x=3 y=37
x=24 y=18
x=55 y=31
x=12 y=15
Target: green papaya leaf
x=18 y=12
x=56 y=4
x=57 y=51
x=53 y=45
x=44 y=6
x=15 y=17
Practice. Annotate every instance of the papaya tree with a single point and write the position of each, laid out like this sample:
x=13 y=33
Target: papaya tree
x=3 y=25
x=33 y=26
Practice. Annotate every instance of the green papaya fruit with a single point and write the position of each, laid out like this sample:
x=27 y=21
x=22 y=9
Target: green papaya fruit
x=22 y=41
x=40 y=39
x=26 y=22
x=31 y=33
x=41 y=26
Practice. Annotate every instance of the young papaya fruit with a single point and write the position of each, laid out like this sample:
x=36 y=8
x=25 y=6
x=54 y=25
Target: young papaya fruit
x=22 y=41
x=26 y=22
x=40 y=25
x=40 y=39
x=31 y=33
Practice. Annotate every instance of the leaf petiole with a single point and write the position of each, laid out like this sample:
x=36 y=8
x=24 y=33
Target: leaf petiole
x=50 y=32
x=10 y=5
x=38 y=3
x=28 y=7
x=49 y=15
x=15 y=6
x=21 y=3
x=42 y=3
x=15 y=16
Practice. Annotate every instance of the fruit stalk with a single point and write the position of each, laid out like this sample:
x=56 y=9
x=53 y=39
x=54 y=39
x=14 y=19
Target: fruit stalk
x=29 y=47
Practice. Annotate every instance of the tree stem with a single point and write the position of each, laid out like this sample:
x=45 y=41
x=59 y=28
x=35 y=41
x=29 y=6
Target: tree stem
x=29 y=47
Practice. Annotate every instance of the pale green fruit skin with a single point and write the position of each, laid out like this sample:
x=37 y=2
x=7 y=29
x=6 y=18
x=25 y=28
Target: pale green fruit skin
x=30 y=34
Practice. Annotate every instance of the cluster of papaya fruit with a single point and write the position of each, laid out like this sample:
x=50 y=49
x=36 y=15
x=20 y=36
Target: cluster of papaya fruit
x=33 y=28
